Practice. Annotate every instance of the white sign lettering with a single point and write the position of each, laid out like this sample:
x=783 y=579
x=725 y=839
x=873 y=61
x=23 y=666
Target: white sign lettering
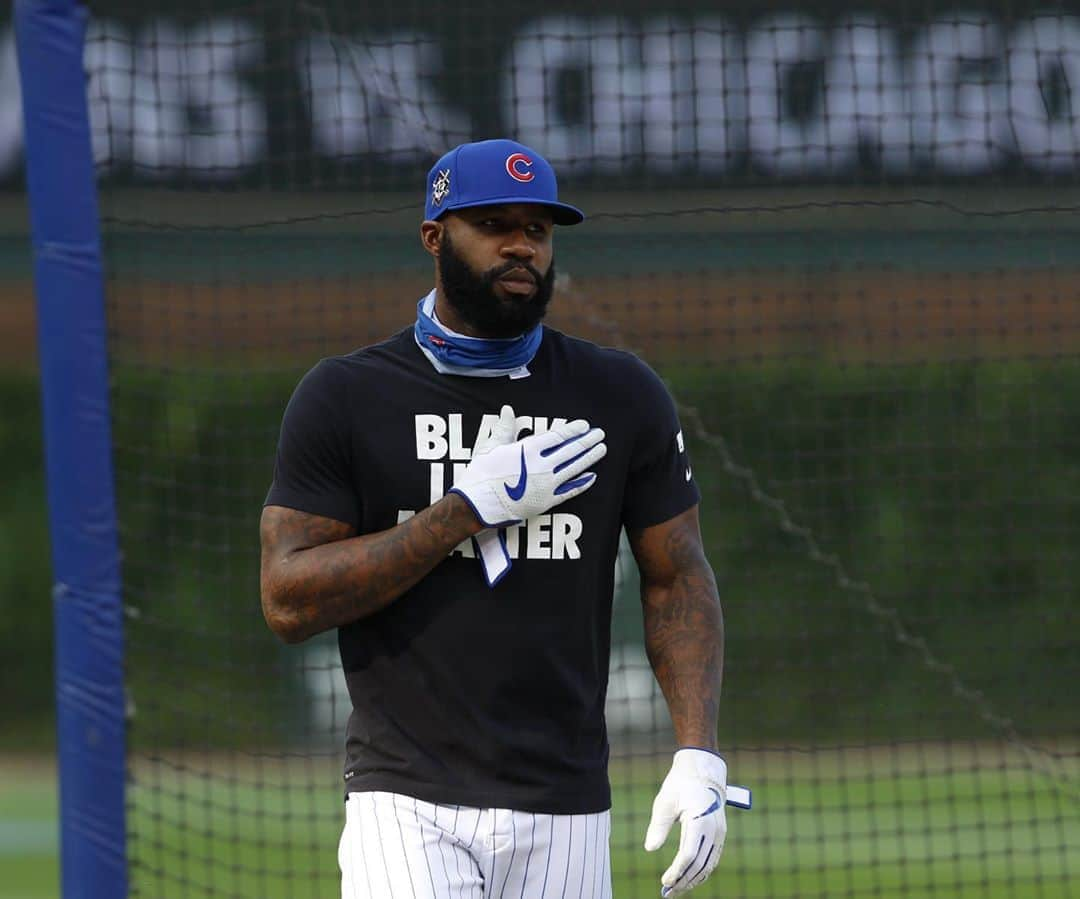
x=370 y=96
x=11 y=130
x=958 y=97
x=1043 y=75
x=598 y=95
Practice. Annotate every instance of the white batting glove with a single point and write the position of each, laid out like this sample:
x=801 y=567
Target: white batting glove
x=693 y=793
x=513 y=482
x=494 y=554
x=491 y=542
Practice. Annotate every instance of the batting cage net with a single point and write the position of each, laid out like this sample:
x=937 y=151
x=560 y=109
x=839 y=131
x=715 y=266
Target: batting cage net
x=845 y=235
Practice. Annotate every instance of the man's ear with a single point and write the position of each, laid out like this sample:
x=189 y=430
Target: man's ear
x=431 y=236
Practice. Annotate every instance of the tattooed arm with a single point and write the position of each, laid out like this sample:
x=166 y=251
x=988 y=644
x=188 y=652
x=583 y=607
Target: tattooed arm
x=684 y=627
x=316 y=574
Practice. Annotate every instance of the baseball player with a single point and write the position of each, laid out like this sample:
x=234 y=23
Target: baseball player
x=450 y=500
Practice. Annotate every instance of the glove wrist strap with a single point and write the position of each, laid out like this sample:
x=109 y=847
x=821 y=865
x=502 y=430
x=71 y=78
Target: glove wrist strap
x=702 y=763
x=700 y=749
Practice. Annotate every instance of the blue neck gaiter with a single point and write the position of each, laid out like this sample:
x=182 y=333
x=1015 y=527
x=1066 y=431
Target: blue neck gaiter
x=475 y=357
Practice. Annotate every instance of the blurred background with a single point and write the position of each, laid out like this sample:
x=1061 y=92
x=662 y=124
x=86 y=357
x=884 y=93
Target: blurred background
x=845 y=234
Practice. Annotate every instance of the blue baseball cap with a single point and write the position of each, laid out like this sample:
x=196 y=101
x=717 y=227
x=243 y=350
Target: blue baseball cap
x=490 y=172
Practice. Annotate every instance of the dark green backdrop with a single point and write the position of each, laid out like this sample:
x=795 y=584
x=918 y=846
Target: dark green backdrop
x=949 y=489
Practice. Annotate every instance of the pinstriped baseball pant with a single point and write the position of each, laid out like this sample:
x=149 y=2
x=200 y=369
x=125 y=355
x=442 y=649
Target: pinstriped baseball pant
x=398 y=847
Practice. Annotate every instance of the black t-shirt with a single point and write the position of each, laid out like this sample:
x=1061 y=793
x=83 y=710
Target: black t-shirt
x=462 y=693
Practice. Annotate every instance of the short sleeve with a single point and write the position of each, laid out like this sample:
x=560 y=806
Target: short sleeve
x=660 y=484
x=313 y=466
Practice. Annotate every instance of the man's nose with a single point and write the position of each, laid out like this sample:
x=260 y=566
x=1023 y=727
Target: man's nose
x=518 y=246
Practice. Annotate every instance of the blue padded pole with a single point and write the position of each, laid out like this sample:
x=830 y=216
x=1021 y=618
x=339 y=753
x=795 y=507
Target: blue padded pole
x=87 y=608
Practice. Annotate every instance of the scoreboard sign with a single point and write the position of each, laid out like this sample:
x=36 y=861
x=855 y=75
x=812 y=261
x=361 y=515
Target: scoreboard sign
x=785 y=96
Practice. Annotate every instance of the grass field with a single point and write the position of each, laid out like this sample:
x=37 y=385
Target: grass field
x=28 y=829
x=918 y=821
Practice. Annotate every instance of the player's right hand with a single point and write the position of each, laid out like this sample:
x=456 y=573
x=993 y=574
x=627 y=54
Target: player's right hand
x=513 y=482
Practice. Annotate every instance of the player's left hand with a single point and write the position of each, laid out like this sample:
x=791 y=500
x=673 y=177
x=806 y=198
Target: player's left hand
x=693 y=793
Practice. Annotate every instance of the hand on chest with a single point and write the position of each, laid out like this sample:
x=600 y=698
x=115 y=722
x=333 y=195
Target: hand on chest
x=428 y=452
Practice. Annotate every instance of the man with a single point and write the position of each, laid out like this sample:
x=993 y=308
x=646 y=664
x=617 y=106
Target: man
x=451 y=501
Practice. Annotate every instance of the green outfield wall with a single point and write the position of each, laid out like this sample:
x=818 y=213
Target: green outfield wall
x=944 y=488
x=897 y=377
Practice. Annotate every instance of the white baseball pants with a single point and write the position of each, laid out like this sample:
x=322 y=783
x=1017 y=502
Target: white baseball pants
x=398 y=847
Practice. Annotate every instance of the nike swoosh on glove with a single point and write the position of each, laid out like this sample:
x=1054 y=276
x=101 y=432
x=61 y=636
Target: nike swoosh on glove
x=693 y=793
x=491 y=542
x=515 y=481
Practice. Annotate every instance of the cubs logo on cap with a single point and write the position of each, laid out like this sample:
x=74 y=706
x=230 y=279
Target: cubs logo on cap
x=495 y=172
x=517 y=167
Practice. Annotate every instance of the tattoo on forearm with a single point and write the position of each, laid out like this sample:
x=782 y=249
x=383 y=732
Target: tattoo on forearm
x=684 y=637
x=318 y=575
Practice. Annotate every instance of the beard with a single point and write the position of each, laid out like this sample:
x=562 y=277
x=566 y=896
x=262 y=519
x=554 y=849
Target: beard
x=473 y=296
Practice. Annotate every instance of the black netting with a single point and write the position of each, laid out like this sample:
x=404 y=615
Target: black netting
x=848 y=239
